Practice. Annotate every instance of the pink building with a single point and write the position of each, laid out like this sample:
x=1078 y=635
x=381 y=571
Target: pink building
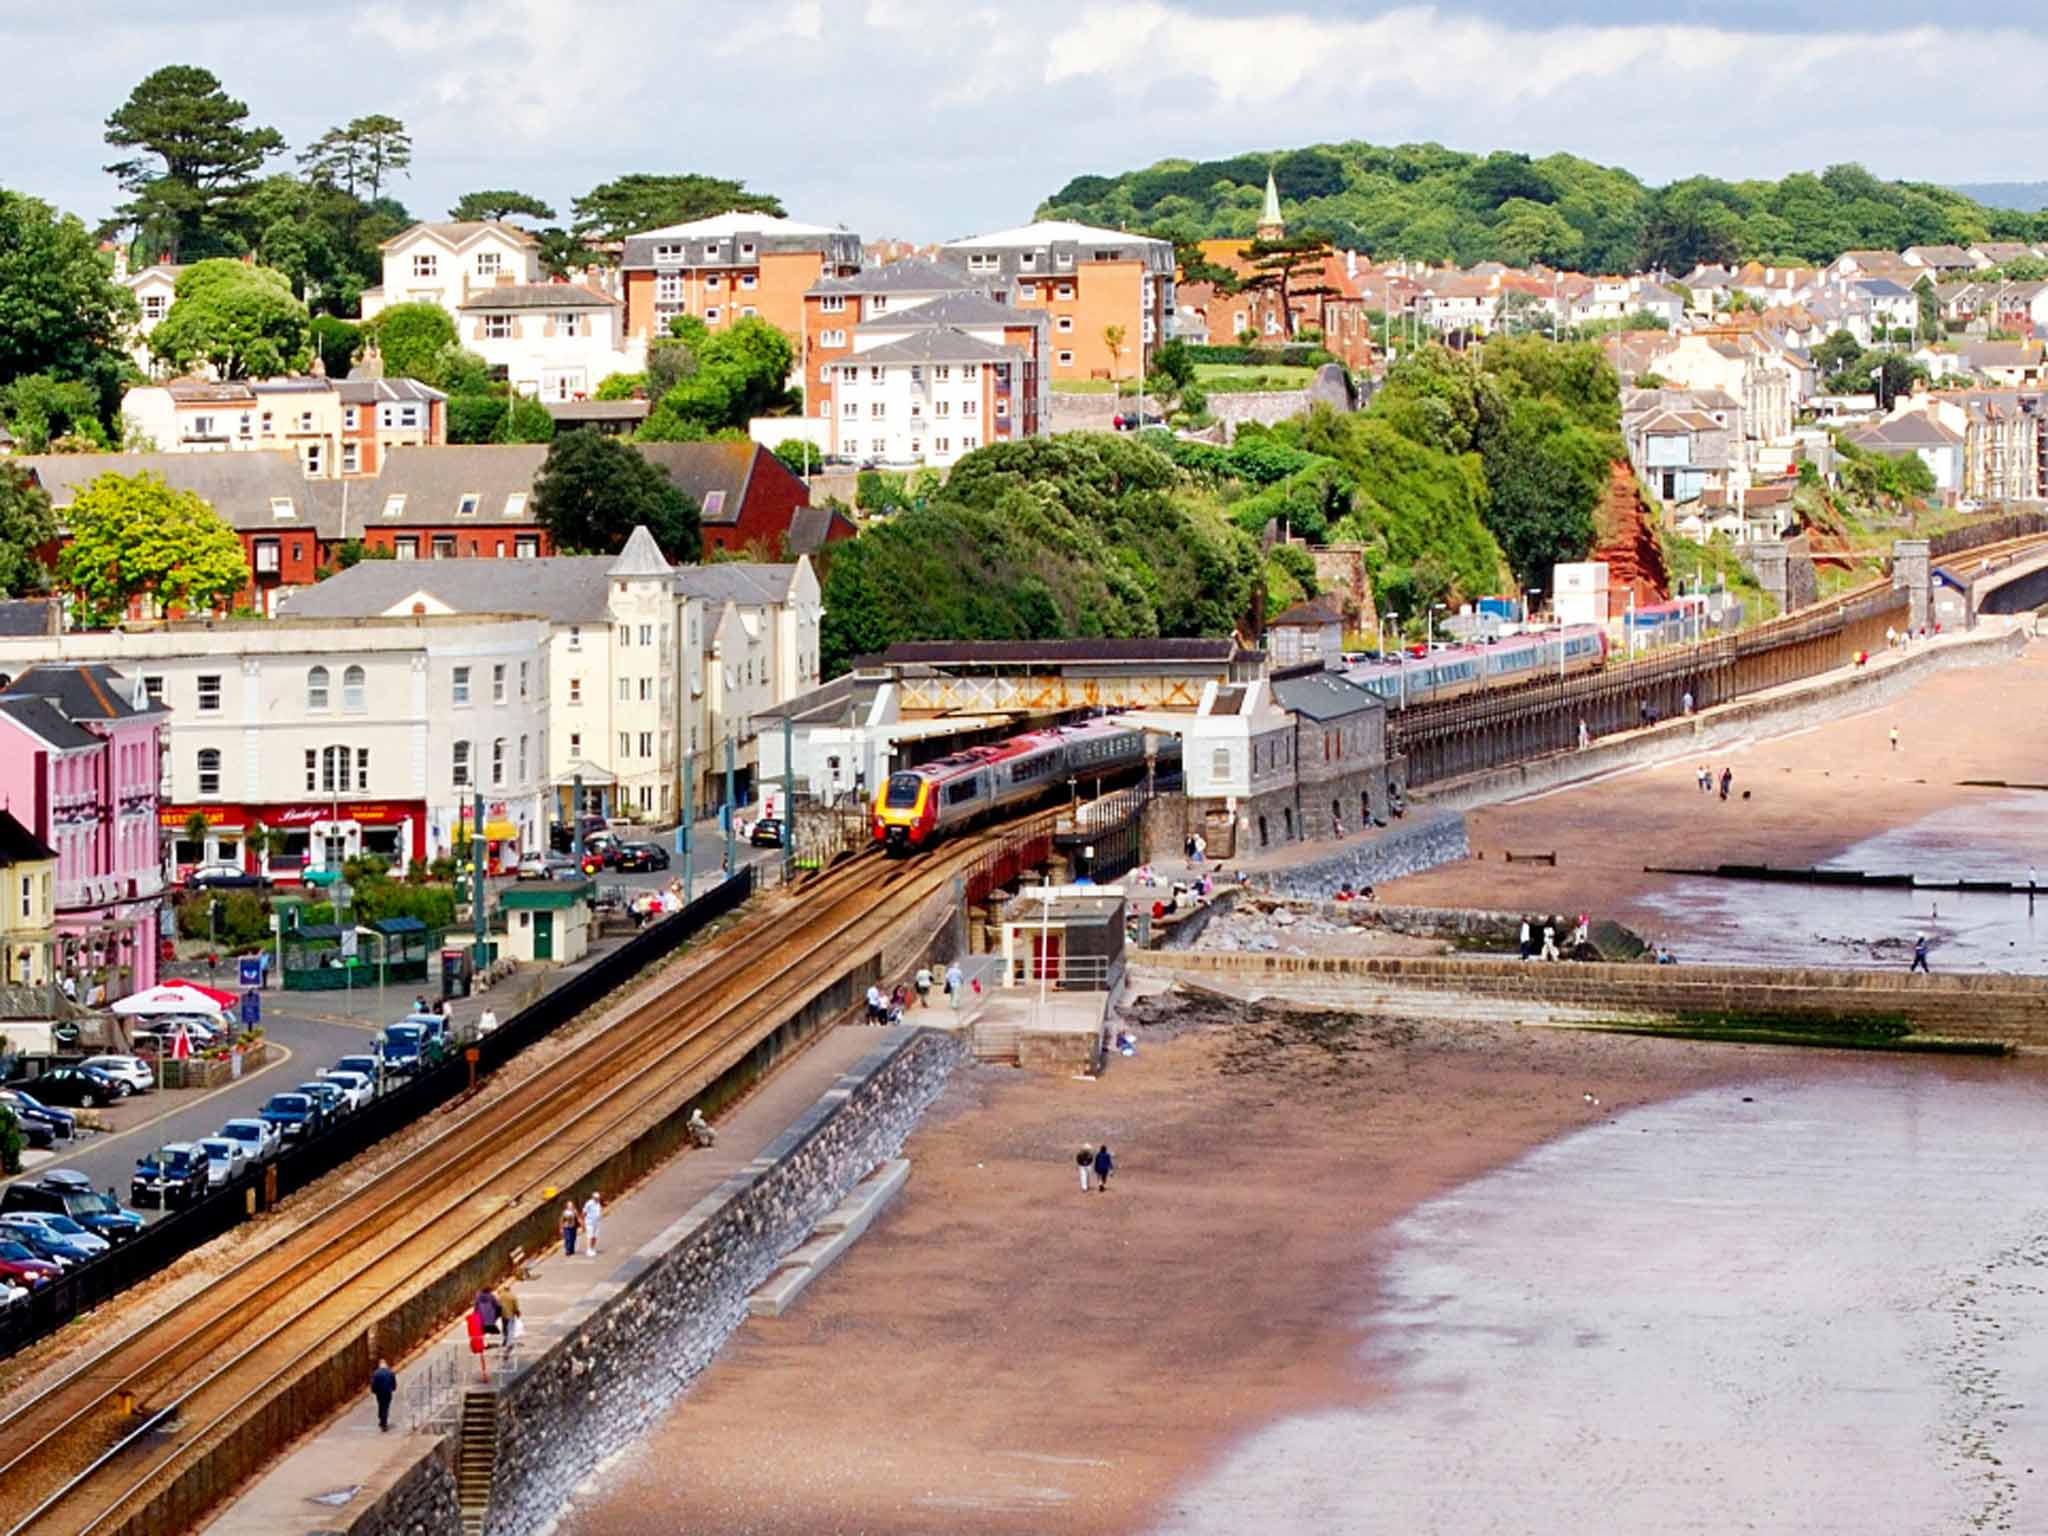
x=79 y=750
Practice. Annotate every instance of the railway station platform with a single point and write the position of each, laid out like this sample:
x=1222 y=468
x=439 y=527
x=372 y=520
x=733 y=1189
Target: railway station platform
x=325 y=1482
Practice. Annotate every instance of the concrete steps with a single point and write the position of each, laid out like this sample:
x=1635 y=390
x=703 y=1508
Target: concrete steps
x=833 y=1235
x=476 y=1457
x=998 y=1042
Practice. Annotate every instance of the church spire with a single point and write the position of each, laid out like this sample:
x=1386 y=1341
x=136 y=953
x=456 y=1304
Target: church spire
x=1271 y=225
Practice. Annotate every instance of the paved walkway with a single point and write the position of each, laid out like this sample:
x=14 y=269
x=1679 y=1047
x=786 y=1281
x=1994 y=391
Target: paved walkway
x=323 y=1482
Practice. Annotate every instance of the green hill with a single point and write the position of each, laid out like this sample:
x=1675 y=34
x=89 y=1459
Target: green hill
x=2022 y=196
x=1437 y=204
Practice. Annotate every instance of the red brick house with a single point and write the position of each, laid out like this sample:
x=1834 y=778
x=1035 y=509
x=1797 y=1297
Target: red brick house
x=748 y=499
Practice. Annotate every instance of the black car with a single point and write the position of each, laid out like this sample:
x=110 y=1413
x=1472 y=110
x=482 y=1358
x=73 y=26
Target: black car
x=38 y=1134
x=77 y=1086
x=219 y=879
x=171 y=1176
x=67 y=1192
x=636 y=856
x=767 y=833
x=562 y=835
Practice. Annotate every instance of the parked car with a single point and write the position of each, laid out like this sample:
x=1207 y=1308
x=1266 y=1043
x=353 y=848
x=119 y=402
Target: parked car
x=39 y=1134
x=59 y=1232
x=62 y=1123
x=225 y=1159
x=356 y=1089
x=175 y=1174
x=332 y=1104
x=562 y=835
x=47 y=1246
x=225 y=877
x=67 y=1192
x=12 y=1295
x=369 y=1067
x=20 y=1264
x=418 y=1040
x=635 y=856
x=259 y=1139
x=296 y=1116
x=85 y=1086
x=766 y=833
x=132 y=1070
x=534 y=866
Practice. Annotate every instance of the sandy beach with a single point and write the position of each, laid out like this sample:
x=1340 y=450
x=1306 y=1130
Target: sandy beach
x=1003 y=1353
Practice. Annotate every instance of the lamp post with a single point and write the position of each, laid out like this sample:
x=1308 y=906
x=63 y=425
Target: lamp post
x=1391 y=618
x=1429 y=629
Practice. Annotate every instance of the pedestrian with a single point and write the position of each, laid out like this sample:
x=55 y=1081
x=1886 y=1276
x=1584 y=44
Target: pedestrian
x=1105 y=1165
x=923 y=982
x=1550 y=941
x=419 y=1002
x=1685 y=701
x=1584 y=739
x=1525 y=938
x=508 y=1311
x=571 y=1224
x=1085 y=1161
x=476 y=1342
x=1919 y=954
x=874 y=1005
x=383 y=1384
x=487 y=1309
x=1338 y=823
x=1187 y=847
x=1727 y=779
x=953 y=981
x=1703 y=778
x=593 y=1217
x=1895 y=738
x=1201 y=847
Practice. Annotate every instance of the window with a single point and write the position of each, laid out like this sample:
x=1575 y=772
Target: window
x=625 y=746
x=522 y=679
x=969 y=407
x=572 y=323
x=748 y=280
x=407 y=548
x=746 y=250
x=209 y=770
x=515 y=504
x=153 y=306
x=153 y=690
x=646 y=690
x=878 y=446
x=711 y=315
x=466 y=505
x=647 y=744
x=879 y=304
x=394 y=506
x=879 y=409
x=832 y=304
x=28 y=898
x=969 y=444
x=1027 y=290
x=488 y=263
x=710 y=250
x=982 y=261
x=428 y=265
x=1064 y=291
x=498 y=682
x=625 y=690
x=209 y=693
x=850 y=408
x=281 y=507
x=647 y=634
x=459 y=767
x=942 y=372
x=444 y=546
x=831 y=338
x=522 y=760
x=668 y=288
x=526 y=547
x=747 y=312
x=874 y=375
x=942 y=445
x=498 y=762
x=1219 y=767
x=497 y=327
x=668 y=253
x=267 y=554
x=1028 y=260
x=1065 y=359
x=575 y=743
x=939 y=408
x=459 y=687
x=625 y=635
x=351 y=458
x=575 y=690
x=711 y=282
x=352 y=690
x=1064 y=323
x=970 y=370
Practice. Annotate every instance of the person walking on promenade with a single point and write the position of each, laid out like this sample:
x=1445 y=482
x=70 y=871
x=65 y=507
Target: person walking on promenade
x=1201 y=847
x=923 y=982
x=1338 y=823
x=1525 y=938
x=476 y=1342
x=1085 y=1161
x=1895 y=738
x=1549 y=941
x=874 y=1005
x=953 y=983
x=1105 y=1165
x=383 y=1384
x=1727 y=781
x=508 y=1311
x=487 y=1309
x=1584 y=739
x=1919 y=955
x=571 y=1225
x=593 y=1218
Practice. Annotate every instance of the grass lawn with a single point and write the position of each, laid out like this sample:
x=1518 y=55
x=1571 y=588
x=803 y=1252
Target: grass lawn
x=1217 y=378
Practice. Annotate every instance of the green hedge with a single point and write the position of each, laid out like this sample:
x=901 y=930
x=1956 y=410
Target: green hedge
x=1294 y=355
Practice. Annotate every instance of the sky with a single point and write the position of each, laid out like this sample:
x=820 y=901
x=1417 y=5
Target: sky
x=933 y=119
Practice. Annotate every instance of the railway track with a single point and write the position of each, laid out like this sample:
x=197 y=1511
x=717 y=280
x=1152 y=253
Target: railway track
x=151 y=1433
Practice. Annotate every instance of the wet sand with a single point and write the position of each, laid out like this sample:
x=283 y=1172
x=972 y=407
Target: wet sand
x=1813 y=796
x=1004 y=1354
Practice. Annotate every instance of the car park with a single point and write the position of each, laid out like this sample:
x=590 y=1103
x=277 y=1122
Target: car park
x=296 y=1116
x=174 y=1175
x=58 y=1232
x=356 y=1089
x=260 y=1140
x=67 y=1192
x=766 y=833
x=20 y=1264
x=132 y=1070
x=26 y=1106
x=225 y=1160
x=642 y=856
x=77 y=1086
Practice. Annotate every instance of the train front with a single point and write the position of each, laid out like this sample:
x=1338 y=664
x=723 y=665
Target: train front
x=904 y=812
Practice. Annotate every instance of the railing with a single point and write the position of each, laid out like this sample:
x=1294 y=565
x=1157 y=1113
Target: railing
x=55 y=1304
x=1066 y=973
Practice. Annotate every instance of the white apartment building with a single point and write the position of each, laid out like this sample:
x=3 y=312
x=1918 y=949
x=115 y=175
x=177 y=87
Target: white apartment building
x=362 y=736
x=154 y=288
x=751 y=634
x=445 y=263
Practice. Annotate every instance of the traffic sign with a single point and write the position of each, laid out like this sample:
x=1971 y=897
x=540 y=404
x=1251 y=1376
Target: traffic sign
x=250 y=970
x=252 y=1008
x=348 y=943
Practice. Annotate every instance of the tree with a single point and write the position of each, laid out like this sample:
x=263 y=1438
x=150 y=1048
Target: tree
x=481 y=207
x=799 y=455
x=195 y=155
x=412 y=339
x=27 y=527
x=61 y=312
x=359 y=155
x=41 y=411
x=593 y=490
x=722 y=379
x=1113 y=338
x=133 y=536
x=337 y=342
x=242 y=321
x=1289 y=268
x=640 y=201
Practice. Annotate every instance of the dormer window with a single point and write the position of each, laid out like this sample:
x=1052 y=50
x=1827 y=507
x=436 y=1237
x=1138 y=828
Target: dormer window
x=746 y=250
x=710 y=251
x=394 y=506
x=668 y=253
x=466 y=507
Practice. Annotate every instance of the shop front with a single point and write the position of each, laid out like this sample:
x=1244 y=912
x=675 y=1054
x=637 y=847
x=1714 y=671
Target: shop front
x=297 y=837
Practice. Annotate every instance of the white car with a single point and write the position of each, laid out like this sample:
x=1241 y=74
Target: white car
x=225 y=1159
x=131 y=1070
x=258 y=1139
x=11 y=1295
x=356 y=1089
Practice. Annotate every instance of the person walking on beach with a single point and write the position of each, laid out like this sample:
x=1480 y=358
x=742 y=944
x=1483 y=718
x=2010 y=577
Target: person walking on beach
x=1525 y=938
x=383 y=1384
x=1919 y=955
x=1085 y=1161
x=593 y=1218
x=1105 y=1165
x=1727 y=780
x=923 y=982
x=1895 y=738
x=571 y=1225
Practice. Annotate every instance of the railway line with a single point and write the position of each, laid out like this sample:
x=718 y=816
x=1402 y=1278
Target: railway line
x=157 y=1429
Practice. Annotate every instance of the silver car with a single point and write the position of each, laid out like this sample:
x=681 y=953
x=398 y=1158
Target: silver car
x=356 y=1089
x=225 y=1160
x=258 y=1139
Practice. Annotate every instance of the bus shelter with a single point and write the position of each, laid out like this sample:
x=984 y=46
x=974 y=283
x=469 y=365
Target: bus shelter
x=318 y=958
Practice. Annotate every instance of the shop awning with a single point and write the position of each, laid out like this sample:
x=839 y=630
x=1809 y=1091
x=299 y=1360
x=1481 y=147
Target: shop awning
x=501 y=831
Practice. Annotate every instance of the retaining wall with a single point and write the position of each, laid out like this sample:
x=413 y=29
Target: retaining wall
x=1806 y=705
x=2008 y=1009
x=1092 y=413
x=1424 y=839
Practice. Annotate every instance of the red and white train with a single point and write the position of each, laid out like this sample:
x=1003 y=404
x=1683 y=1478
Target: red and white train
x=918 y=806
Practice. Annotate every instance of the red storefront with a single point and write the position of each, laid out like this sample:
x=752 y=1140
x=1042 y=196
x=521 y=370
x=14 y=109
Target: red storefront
x=317 y=834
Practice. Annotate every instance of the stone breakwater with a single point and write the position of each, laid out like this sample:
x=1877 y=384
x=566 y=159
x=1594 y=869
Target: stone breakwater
x=637 y=1341
x=1423 y=840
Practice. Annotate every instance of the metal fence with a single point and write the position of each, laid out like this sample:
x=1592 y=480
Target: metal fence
x=52 y=1306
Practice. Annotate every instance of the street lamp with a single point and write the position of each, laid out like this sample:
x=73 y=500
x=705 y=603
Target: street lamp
x=1429 y=629
x=1392 y=617
x=1529 y=609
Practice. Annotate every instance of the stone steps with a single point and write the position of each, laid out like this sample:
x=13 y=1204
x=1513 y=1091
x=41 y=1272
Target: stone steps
x=476 y=1457
x=833 y=1235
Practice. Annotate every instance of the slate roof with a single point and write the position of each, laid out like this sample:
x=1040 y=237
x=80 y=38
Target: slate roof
x=1312 y=614
x=812 y=528
x=910 y=275
x=956 y=309
x=536 y=296
x=564 y=589
x=938 y=344
x=18 y=845
x=45 y=721
x=368 y=391
x=703 y=471
x=31 y=616
x=1323 y=695
x=1058 y=652
x=461 y=232
x=1053 y=231
x=83 y=691
x=1909 y=431
x=738 y=581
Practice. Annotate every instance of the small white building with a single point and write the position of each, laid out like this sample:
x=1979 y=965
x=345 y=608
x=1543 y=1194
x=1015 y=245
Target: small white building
x=554 y=341
x=445 y=263
x=1578 y=591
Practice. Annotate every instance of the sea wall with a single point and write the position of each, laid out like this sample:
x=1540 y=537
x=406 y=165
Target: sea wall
x=1422 y=840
